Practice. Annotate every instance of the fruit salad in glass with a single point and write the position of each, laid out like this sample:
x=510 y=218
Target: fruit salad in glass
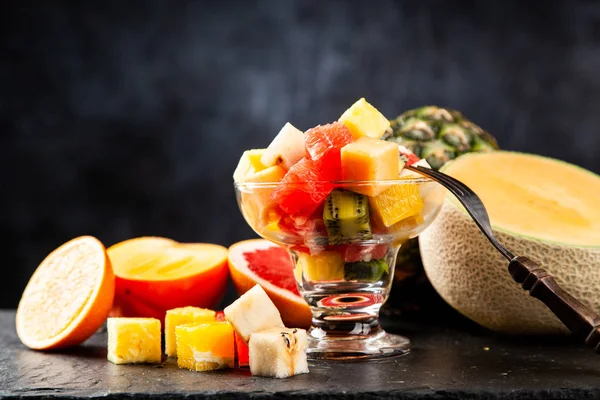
x=338 y=198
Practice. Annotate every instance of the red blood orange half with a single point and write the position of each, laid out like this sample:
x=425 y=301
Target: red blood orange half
x=258 y=261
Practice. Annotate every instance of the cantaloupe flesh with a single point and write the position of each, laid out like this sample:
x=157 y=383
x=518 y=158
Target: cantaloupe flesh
x=534 y=196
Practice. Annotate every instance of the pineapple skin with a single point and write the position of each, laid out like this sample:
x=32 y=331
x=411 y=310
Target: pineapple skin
x=438 y=134
x=278 y=352
x=134 y=340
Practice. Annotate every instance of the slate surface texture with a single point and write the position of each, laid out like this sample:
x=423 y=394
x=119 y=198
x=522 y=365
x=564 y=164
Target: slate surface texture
x=444 y=363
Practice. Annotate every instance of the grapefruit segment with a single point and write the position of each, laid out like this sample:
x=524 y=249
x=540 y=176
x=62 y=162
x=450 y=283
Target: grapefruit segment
x=68 y=297
x=273 y=270
x=151 y=279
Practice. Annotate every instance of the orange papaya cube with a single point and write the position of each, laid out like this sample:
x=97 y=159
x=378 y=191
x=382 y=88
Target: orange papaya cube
x=205 y=346
x=369 y=159
x=181 y=316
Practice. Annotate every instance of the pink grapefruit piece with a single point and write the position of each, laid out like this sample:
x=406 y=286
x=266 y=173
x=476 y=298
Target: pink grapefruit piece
x=258 y=261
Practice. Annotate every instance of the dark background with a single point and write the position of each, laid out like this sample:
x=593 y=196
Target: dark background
x=124 y=118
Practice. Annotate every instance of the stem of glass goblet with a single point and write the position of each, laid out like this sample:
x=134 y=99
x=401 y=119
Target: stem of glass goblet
x=342 y=306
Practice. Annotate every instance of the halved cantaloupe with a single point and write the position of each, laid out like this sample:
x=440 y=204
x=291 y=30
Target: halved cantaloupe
x=542 y=208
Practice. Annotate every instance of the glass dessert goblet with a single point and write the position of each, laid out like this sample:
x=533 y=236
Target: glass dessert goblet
x=343 y=248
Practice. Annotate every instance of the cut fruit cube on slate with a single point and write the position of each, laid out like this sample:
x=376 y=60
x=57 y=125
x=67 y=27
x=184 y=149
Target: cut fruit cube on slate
x=253 y=311
x=181 y=316
x=205 y=346
x=278 y=352
x=134 y=340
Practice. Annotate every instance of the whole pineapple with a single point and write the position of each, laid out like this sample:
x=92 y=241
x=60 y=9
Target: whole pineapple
x=438 y=135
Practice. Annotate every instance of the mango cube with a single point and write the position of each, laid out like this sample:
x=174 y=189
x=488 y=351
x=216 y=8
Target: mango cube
x=396 y=203
x=364 y=120
x=278 y=352
x=181 y=316
x=325 y=266
x=249 y=165
x=370 y=159
x=205 y=346
x=134 y=340
x=253 y=311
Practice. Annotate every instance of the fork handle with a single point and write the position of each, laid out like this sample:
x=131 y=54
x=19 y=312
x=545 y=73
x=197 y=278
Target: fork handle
x=579 y=318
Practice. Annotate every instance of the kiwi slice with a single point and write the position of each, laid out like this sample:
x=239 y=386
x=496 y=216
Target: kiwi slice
x=364 y=271
x=346 y=217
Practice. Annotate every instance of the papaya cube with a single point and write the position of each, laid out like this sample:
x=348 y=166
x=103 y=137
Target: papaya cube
x=396 y=203
x=278 y=352
x=248 y=165
x=365 y=120
x=205 y=346
x=134 y=340
x=369 y=159
x=180 y=316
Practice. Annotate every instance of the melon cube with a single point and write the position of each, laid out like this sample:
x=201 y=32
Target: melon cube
x=370 y=159
x=248 y=165
x=181 y=316
x=325 y=266
x=205 y=346
x=396 y=203
x=253 y=311
x=286 y=149
x=364 y=120
x=134 y=340
x=278 y=352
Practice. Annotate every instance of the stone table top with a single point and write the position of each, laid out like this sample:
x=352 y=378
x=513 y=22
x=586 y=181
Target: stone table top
x=445 y=362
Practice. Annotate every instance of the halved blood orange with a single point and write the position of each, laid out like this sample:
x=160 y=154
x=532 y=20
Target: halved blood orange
x=154 y=275
x=68 y=297
x=258 y=261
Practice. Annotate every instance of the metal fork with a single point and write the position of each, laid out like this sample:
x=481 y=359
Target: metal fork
x=580 y=319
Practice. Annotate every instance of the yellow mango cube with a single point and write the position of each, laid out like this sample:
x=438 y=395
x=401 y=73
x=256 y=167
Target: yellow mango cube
x=258 y=206
x=249 y=164
x=181 y=316
x=396 y=203
x=369 y=159
x=364 y=120
x=205 y=346
x=134 y=340
x=325 y=266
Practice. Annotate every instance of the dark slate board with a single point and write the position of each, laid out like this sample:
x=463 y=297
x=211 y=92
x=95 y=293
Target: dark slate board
x=445 y=363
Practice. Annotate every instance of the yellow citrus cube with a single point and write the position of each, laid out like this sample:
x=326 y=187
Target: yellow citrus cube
x=134 y=340
x=180 y=316
x=396 y=203
x=205 y=346
x=364 y=120
x=369 y=159
x=249 y=164
x=258 y=206
x=325 y=266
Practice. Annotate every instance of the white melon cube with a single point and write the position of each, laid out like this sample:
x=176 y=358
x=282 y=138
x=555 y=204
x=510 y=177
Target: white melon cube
x=278 y=352
x=286 y=149
x=253 y=311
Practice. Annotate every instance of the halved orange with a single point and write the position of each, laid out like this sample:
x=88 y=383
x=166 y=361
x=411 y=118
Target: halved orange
x=258 y=261
x=68 y=297
x=154 y=275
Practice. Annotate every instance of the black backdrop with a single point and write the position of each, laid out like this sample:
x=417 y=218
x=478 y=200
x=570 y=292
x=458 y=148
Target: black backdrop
x=127 y=118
